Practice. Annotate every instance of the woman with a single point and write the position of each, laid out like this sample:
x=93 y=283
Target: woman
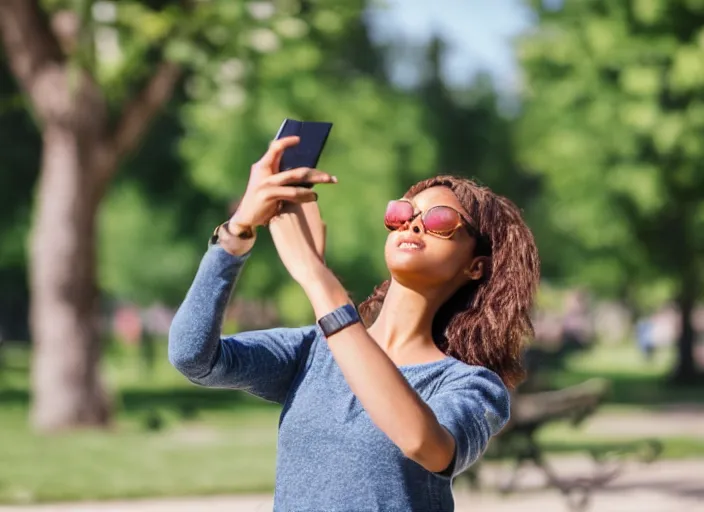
x=377 y=418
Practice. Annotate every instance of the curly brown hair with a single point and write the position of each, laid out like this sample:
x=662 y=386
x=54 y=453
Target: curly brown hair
x=485 y=322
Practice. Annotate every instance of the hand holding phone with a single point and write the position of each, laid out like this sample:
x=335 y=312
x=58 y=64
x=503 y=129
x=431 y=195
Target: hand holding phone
x=267 y=188
x=312 y=135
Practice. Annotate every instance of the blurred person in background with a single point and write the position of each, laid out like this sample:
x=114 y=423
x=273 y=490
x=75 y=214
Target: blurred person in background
x=381 y=408
x=644 y=337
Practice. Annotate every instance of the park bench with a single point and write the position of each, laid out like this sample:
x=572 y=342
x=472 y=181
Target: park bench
x=533 y=411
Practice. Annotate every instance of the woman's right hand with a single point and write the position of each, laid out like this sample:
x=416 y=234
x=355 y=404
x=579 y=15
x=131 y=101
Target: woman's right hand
x=267 y=187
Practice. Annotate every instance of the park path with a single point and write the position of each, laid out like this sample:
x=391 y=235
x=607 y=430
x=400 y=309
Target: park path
x=677 y=420
x=665 y=486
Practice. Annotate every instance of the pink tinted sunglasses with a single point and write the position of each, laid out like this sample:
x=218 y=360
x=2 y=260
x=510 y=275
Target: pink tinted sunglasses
x=440 y=221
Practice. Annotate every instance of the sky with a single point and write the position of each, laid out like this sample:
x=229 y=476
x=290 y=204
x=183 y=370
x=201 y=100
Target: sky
x=479 y=34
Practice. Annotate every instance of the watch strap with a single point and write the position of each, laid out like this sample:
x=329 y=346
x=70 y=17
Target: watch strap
x=338 y=319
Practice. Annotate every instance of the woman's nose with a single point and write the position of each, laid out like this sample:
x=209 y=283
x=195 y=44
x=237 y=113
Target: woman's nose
x=415 y=225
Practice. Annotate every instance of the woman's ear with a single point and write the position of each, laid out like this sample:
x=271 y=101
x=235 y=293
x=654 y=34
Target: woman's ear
x=477 y=269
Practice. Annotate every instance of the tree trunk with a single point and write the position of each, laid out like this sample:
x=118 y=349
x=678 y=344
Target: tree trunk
x=64 y=305
x=81 y=151
x=686 y=370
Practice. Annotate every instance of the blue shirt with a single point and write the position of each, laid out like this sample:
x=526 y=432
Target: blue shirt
x=331 y=457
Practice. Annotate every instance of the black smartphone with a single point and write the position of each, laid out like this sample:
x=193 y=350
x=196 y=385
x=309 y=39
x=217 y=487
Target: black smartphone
x=313 y=136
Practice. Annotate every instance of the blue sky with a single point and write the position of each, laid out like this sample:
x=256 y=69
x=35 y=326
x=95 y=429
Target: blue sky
x=479 y=33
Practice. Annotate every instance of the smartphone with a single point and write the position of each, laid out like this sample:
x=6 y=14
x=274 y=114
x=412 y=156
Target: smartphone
x=313 y=136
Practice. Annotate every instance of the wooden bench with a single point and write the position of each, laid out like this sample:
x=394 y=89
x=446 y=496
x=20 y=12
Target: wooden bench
x=533 y=411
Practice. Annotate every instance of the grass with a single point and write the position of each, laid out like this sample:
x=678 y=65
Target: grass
x=171 y=438
x=215 y=455
x=672 y=447
x=634 y=381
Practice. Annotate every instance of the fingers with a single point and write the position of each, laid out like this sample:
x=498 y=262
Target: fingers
x=301 y=175
x=276 y=149
x=292 y=194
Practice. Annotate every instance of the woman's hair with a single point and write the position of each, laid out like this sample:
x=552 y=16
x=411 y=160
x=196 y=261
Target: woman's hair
x=485 y=322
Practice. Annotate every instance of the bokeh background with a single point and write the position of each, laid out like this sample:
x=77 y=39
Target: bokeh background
x=126 y=134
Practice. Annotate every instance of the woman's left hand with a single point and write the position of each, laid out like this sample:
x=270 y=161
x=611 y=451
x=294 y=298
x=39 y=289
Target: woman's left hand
x=299 y=236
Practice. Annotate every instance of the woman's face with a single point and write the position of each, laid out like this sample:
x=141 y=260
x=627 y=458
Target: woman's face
x=416 y=257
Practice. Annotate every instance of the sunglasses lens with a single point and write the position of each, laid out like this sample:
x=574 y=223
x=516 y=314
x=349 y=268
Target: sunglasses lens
x=398 y=213
x=441 y=219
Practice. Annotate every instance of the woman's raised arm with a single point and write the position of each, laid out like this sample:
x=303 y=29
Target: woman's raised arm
x=261 y=362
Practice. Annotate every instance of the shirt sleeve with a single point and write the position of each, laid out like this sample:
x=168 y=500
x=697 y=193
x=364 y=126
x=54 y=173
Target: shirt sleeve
x=263 y=363
x=473 y=405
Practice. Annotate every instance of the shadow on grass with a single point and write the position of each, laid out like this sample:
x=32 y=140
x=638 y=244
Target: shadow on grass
x=179 y=399
x=13 y=397
x=200 y=398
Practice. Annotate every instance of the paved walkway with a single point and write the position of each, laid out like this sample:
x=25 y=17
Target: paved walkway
x=665 y=486
x=671 y=421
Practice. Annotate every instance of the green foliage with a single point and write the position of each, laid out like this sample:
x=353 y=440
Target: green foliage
x=613 y=127
x=143 y=259
x=309 y=78
x=474 y=139
x=19 y=166
x=248 y=65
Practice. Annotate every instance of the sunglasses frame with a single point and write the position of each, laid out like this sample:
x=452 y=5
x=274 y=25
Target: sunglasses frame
x=461 y=222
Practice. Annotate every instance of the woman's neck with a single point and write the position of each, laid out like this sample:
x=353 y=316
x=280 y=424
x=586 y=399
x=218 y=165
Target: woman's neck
x=404 y=324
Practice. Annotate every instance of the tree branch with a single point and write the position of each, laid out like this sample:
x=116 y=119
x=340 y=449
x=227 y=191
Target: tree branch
x=31 y=47
x=138 y=112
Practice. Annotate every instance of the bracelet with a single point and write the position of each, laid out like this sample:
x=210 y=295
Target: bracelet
x=339 y=319
x=245 y=234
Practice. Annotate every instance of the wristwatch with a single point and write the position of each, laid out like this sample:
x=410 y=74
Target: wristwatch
x=339 y=319
x=223 y=231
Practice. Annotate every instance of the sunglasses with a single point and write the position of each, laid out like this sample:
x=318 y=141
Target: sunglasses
x=440 y=221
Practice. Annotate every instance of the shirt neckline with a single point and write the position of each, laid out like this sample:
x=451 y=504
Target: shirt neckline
x=425 y=365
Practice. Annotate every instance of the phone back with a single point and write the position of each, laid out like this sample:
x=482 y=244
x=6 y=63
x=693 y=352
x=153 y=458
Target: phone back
x=306 y=153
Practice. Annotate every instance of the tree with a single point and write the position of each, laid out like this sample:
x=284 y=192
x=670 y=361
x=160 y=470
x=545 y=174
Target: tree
x=52 y=56
x=613 y=122
x=473 y=138
x=94 y=75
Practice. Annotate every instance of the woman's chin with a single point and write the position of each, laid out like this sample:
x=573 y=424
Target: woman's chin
x=407 y=261
x=409 y=270
x=418 y=266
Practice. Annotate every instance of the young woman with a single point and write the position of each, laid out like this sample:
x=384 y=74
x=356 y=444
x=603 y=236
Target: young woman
x=379 y=412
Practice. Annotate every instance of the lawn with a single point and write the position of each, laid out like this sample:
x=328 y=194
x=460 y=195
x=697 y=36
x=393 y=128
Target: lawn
x=634 y=381
x=170 y=438
x=173 y=438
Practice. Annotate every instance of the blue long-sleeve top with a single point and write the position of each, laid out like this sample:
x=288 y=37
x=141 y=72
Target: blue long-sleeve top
x=330 y=456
